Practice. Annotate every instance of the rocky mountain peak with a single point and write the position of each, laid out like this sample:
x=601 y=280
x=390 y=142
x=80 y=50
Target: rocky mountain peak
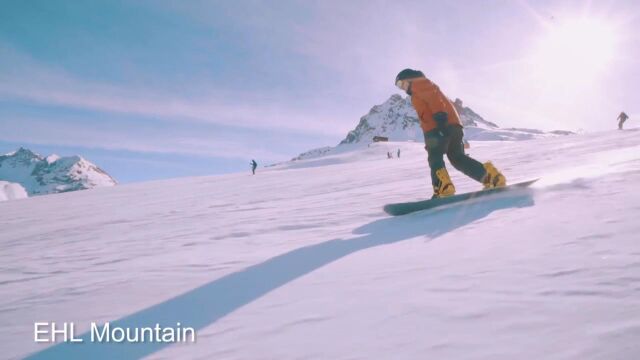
x=53 y=174
x=397 y=120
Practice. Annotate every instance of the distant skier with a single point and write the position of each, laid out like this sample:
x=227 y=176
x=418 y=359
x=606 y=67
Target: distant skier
x=389 y=155
x=398 y=153
x=443 y=135
x=622 y=118
x=254 y=165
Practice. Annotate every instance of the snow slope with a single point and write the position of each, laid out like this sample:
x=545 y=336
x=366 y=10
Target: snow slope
x=53 y=174
x=11 y=191
x=301 y=263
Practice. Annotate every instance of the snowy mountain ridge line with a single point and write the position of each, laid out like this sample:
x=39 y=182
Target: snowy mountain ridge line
x=397 y=120
x=40 y=175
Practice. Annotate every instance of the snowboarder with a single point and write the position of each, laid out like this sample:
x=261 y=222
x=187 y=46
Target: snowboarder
x=398 y=153
x=442 y=130
x=621 y=119
x=254 y=165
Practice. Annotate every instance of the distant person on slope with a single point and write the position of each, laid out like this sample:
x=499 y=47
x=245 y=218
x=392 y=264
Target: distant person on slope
x=254 y=165
x=398 y=153
x=442 y=129
x=622 y=118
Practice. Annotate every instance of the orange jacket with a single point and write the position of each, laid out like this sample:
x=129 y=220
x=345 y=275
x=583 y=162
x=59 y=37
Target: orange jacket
x=427 y=99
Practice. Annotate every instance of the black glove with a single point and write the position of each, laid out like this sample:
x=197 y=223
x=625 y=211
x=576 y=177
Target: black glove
x=442 y=119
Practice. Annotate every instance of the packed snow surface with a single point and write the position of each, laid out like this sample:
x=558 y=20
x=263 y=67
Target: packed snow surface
x=300 y=261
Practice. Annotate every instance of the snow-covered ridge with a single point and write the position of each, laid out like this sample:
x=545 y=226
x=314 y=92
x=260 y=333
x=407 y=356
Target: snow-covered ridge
x=397 y=120
x=40 y=175
x=314 y=153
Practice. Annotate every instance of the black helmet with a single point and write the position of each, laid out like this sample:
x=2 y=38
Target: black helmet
x=408 y=74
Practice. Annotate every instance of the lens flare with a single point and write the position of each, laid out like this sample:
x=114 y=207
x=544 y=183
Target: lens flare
x=574 y=52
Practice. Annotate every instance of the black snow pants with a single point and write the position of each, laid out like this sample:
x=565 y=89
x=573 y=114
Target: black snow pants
x=621 y=123
x=448 y=140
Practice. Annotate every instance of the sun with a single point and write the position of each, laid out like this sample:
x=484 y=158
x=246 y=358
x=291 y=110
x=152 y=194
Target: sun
x=574 y=52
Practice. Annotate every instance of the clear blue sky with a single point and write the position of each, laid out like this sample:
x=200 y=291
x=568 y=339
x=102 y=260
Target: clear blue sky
x=157 y=89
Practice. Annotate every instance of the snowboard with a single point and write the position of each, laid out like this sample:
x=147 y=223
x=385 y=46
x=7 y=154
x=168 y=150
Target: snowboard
x=409 y=207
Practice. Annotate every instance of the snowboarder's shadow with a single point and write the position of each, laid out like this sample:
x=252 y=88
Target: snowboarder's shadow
x=434 y=223
x=204 y=305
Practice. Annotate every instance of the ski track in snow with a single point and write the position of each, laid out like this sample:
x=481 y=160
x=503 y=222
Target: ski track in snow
x=300 y=262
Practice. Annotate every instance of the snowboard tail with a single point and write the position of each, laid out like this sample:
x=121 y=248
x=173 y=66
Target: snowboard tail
x=409 y=207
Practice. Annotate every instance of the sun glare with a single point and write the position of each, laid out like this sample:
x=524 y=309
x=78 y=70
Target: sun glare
x=575 y=51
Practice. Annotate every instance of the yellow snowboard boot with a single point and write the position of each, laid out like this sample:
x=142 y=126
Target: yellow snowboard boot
x=444 y=187
x=494 y=178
